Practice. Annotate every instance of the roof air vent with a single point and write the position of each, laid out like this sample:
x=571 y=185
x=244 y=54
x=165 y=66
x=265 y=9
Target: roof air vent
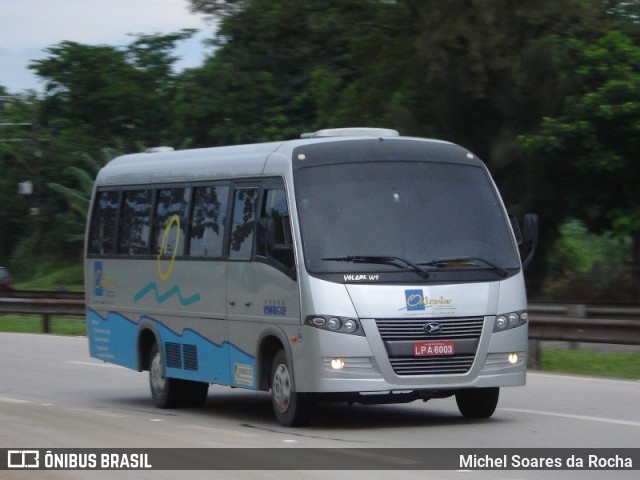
x=352 y=132
x=159 y=149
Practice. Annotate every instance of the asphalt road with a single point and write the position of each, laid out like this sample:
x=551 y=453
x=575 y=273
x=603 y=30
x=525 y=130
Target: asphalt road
x=53 y=395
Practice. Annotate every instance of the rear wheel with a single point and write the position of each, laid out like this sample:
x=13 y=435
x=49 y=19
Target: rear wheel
x=477 y=402
x=292 y=409
x=173 y=392
x=194 y=394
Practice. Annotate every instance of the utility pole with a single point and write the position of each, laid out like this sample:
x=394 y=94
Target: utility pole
x=5 y=133
x=23 y=130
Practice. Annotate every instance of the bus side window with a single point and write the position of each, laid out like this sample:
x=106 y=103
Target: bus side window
x=135 y=222
x=274 y=233
x=170 y=221
x=243 y=223
x=207 y=221
x=102 y=239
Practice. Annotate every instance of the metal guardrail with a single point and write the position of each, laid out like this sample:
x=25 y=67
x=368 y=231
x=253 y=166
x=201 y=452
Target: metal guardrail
x=46 y=307
x=51 y=294
x=581 y=323
x=588 y=323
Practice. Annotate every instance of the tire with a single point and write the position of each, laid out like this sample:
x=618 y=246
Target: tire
x=291 y=409
x=194 y=394
x=477 y=402
x=173 y=392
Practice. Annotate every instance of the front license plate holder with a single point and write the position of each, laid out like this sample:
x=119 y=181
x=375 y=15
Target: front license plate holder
x=436 y=348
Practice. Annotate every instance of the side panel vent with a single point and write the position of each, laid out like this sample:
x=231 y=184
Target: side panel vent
x=190 y=357
x=173 y=354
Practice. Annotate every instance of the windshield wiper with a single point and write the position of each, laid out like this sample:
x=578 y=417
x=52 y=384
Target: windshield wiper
x=444 y=262
x=381 y=260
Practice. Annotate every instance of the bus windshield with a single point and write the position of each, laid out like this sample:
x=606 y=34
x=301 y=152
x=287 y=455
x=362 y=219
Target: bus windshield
x=403 y=215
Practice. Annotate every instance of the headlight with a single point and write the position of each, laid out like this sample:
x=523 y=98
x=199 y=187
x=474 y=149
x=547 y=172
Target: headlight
x=510 y=320
x=335 y=324
x=350 y=326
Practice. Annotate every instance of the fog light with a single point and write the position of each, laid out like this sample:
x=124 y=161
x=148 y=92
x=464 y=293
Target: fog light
x=513 y=358
x=337 y=363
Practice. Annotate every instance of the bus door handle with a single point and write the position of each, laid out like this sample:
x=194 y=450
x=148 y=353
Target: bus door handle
x=233 y=303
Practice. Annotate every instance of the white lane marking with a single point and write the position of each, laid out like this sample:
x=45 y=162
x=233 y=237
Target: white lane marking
x=628 y=423
x=13 y=400
x=93 y=364
x=100 y=413
x=585 y=378
x=233 y=433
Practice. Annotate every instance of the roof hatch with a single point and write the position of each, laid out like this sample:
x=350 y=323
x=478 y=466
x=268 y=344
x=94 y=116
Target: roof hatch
x=352 y=132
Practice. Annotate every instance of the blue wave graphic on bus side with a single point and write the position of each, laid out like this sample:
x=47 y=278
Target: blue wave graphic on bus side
x=161 y=298
x=113 y=339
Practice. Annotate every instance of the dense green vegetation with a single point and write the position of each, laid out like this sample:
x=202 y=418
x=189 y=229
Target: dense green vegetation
x=544 y=91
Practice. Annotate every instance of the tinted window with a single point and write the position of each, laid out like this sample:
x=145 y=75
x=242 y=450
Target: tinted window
x=208 y=219
x=170 y=221
x=274 y=232
x=135 y=222
x=420 y=211
x=243 y=224
x=102 y=237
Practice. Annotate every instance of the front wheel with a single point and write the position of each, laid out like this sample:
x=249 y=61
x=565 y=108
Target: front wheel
x=477 y=402
x=292 y=409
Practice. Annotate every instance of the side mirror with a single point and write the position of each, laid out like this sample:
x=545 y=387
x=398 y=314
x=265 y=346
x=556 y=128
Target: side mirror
x=516 y=229
x=530 y=234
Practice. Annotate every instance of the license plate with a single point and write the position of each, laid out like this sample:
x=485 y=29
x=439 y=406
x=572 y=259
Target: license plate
x=434 y=349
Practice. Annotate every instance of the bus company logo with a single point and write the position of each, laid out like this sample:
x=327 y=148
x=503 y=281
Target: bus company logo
x=415 y=300
x=102 y=285
x=23 y=459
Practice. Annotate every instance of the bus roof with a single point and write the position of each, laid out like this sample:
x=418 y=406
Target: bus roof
x=166 y=166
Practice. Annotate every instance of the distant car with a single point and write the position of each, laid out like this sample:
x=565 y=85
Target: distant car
x=5 y=280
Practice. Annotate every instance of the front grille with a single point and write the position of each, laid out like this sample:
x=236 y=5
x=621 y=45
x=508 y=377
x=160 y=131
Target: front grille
x=456 y=364
x=413 y=329
x=399 y=334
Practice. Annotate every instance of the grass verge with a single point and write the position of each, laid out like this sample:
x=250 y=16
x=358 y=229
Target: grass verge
x=586 y=362
x=34 y=324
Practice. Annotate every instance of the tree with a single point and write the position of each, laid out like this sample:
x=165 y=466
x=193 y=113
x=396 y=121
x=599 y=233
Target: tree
x=16 y=166
x=114 y=94
x=592 y=144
